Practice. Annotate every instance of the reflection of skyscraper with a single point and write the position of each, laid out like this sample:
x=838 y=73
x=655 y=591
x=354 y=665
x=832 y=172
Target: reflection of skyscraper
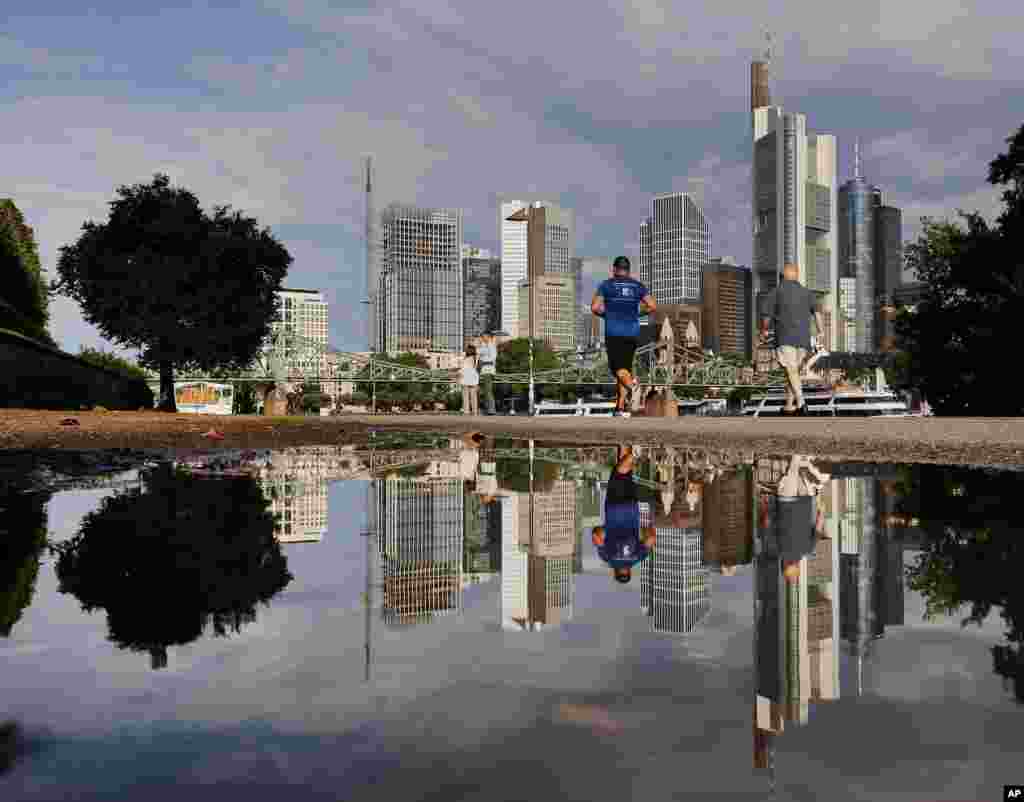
x=674 y=583
x=728 y=524
x=538 y=557
x=420 y=528
x=296 y=485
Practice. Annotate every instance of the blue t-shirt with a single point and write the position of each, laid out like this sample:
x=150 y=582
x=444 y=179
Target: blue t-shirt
x=622 y=298
x=622 y=547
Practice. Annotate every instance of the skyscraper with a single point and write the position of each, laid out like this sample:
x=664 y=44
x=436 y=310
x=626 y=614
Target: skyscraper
x=675 y=590
x=794 y=198
x=481 y=276
x=420 y=292
x=675 y=244
x=857 y=254
x=537 y=240
x=727 y=308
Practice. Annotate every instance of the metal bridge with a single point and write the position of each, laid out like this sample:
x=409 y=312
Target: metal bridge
x=291 y=359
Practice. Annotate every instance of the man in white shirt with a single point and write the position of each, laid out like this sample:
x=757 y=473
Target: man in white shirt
x=488 y=356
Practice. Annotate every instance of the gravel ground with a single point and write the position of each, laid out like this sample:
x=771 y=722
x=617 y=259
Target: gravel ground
x=963 y=441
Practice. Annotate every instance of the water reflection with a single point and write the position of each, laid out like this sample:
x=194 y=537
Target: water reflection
x=170 y=558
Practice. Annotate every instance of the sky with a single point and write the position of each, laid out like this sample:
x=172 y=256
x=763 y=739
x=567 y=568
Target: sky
x=597 y=107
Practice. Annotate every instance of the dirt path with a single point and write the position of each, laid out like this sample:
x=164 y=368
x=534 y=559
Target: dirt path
x=995 y=441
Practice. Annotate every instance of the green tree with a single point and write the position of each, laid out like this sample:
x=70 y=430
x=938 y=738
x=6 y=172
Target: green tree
x=313 y=398
x=24 y=301
x=402 y=394
x=193 y=291
x=244 y=399
x=23 y=527
x=111 y=361
x=974 y=295
x=166 y=562
x=514 y=357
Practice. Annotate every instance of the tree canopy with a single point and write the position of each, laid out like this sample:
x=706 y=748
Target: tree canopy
x=167 y=561
x=23 y=528
x=193 y=291
x=973 y=277
x=110 y=360
x=24 y=301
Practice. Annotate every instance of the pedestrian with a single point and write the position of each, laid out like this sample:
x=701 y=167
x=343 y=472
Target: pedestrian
x=620 y=300
x=621 y=542
x=791 y=306
x=470 y=383
x=798 y=520
x=488 y=360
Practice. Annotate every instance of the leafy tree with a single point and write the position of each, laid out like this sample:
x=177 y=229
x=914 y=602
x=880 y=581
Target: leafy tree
x=24 y=301
x=313 y=398
x=972 y=553
x=186 y=553
x=514 y=475
x=193 y=291
x=111 y=361
x=974 y=296
x=245 y=399
x=23 y=527
x=514 y=357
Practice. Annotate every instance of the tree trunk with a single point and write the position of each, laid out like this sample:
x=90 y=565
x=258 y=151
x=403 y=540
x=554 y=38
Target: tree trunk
x=167 y=403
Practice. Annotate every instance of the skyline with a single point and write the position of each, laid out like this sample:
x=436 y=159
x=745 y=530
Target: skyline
x=276 y=122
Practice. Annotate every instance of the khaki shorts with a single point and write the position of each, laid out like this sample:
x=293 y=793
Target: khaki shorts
x=789 y=356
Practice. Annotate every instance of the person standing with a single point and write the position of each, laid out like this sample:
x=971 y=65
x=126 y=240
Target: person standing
x=470 y=383
x=488 y=354
x=791 y=306
x=620 y=301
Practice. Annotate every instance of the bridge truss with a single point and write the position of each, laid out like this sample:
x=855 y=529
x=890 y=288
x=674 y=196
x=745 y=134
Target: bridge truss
x=291 y=359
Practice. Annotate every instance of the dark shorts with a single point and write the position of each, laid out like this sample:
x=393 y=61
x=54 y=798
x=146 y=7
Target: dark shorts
x=620 y=352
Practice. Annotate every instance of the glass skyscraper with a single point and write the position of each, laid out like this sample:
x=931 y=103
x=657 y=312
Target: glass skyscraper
x=675 y=245
x=420 y=290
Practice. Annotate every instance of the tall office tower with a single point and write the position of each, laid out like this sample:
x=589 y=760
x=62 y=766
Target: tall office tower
x=675 y=244
x=822 y=637
x=302 y=313
x=419 y=295
x=675 y=587
x=728 y=523
x=888 y=267
x=552 y=548
x=645 y=252
x=550 y=301
x=583 y=315
x=481 y=277
x=420 y=527
x=536 y=239
x=857 y=253
x=793 y=198
x=727 y=308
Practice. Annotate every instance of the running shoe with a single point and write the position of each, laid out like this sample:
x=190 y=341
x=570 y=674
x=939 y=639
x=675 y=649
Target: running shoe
x=620 y=413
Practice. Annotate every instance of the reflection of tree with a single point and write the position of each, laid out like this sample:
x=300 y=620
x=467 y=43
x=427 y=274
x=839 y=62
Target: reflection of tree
x=972 y=554
x=514 y=474
x=165 y=563
x=22 y=538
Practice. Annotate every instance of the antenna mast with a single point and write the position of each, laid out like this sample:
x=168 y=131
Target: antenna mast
x=371 y=263
x=856 y=158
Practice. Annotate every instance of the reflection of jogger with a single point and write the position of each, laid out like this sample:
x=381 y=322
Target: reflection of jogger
x=620 y=300
x=791 y=305
x=620 y=542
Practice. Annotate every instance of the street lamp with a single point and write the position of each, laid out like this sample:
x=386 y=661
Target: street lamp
x=497 y=333
x=373 y=340
x=529 y=285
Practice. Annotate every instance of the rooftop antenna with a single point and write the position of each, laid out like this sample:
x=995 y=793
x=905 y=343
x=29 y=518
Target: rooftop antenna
x=856 y=159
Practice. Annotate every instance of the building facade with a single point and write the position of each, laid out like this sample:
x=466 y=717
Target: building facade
x=481 y=287
x=550 y=301
x=303 y=313
x=675 y=590
x=536 y=239
x=728 y=300
x=675 y=245
x=420 y=292
x=794 y=201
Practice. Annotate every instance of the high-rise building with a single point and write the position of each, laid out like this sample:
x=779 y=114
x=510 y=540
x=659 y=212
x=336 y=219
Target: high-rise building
x=536 y=239
x=297 y=493
x=582 y=330
x=675 y=589
x=481 y=276
x=420 y=293
x=302 y=313
x=728 y=523
x=727 y=308
x=794 y=200
x=675 y=244
x=553 y=308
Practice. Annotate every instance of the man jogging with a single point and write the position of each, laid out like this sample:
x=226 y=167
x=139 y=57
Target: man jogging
x=791 y=305
x=620 y=301
x=622 y=542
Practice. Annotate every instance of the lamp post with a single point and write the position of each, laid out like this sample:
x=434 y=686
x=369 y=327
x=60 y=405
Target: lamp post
x=529 y=285
x=496 y=333
x=373 y=349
